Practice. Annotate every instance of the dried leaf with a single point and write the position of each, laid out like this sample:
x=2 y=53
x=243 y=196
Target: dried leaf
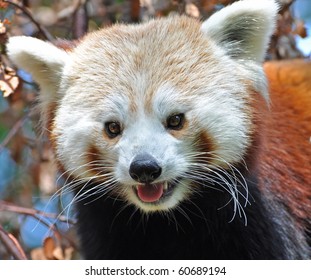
x=301 y=29
x=60 y=254
x=37 y=254
x=2 y=28
x=3 y=5
x=9 y=82
x=192 y=10
x=53 y=250
x=6 y=21
x=49 y=247
x=69 y=253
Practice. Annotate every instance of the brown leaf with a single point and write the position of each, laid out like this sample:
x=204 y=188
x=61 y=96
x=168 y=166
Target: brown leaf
x=9 y=82
x=69 y=253
x=37 y=254
x=53 y=250
x=3 y=5
x=301 y=29
x=49 y=247
x=2 y=28
x=60 y=254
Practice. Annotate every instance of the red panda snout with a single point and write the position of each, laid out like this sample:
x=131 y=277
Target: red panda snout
x=144 y=168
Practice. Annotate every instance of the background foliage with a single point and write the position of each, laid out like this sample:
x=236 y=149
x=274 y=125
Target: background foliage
x=34 y=220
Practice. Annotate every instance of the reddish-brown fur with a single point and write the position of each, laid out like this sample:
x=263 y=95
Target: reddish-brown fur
x=285 y=158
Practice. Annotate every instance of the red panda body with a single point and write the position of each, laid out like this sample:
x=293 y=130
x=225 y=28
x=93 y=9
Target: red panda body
x=164 y=134
x=285 y=159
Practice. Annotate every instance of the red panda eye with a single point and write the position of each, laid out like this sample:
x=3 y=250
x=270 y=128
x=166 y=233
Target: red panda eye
x=175 y=122
x=112 y=129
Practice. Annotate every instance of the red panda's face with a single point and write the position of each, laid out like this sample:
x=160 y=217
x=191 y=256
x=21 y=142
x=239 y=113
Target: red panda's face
x=152 y=155
x=146 y=120
x=149 y=111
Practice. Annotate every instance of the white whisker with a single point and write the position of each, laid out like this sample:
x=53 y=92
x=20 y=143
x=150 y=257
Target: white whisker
x=204 y=171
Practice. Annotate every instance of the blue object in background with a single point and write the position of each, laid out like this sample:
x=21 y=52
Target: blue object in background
x=4 y=105
x=27 y=77
x=33 y=231
x=7 y=170
x=302 y=10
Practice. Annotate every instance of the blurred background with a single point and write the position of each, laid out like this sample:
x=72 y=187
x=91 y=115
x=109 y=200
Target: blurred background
x=36 y=220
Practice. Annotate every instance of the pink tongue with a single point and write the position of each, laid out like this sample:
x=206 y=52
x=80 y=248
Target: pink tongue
x=150 y=192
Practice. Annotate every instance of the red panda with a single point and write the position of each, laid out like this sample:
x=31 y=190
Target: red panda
x=170 y=142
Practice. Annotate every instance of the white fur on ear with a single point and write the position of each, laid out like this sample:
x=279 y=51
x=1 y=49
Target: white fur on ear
x=243 y=28
x=41 y=59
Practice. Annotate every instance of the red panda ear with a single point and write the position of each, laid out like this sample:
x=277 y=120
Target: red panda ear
x=243 y=28
x=44 y=61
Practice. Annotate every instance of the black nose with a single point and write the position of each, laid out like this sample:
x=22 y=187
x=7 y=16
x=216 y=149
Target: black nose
x=145 y=169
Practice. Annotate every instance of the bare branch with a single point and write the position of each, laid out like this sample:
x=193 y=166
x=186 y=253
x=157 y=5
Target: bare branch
x=11 y=243
x=80 y=19
x=37 y=214
x=6 y=206
x=41 y=29
x=17 y=126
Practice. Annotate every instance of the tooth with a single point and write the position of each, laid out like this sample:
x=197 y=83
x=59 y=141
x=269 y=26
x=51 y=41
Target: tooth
x=165 y=186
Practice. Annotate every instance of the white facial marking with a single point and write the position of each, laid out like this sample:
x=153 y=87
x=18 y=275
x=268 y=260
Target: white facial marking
x=139 y=76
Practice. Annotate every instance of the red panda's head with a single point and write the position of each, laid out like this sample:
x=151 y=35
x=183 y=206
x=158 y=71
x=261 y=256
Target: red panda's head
x=150 y=110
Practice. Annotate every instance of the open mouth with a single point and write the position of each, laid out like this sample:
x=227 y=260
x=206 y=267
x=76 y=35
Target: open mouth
x=154 y=193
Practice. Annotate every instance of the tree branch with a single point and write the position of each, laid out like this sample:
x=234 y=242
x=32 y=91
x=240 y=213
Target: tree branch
x=11 y=243
x=17 y=126
x=41 y=29
x=6 y=206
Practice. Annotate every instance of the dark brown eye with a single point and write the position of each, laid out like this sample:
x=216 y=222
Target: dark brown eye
x=175 y=122
x=112 y=129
